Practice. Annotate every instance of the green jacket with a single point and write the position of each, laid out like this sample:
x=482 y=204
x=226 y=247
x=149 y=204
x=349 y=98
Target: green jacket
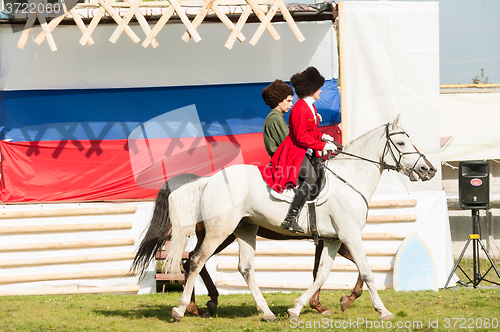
x=275 y=131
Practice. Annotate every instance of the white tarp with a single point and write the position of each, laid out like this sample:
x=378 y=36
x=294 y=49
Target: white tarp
x=391 y=66
x=471 y=121
x=173 y=63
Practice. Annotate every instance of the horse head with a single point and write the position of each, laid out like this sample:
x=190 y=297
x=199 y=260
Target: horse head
x=401 y=155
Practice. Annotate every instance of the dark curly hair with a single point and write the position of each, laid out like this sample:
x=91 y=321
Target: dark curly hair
x=307 y=82
x=276 y=92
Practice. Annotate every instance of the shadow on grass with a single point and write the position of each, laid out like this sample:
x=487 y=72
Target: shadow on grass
x=143 y=311
x=163 y=312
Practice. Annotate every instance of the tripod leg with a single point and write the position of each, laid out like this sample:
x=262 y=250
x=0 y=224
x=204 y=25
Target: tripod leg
x=458 y=262
x=475 y=262
x=476 y=279
x=489 y=258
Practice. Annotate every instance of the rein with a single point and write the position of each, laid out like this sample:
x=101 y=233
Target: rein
x=387 y=149
x=348 y=184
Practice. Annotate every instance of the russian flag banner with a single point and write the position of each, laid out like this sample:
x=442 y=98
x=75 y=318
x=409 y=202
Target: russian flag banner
x=115 y=121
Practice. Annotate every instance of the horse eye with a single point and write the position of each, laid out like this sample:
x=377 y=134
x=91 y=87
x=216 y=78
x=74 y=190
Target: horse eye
x=401 y=143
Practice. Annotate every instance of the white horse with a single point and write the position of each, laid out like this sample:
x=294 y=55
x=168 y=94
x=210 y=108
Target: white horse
x=237 y=200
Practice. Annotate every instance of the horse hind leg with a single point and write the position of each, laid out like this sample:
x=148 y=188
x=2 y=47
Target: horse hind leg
x=346 y=301
x=213 y=293
x=355 y=245
x=315 y=304
x=314 y=301
x=246 y=236
x=197 y=262
x=192 y=308
x=200 y=235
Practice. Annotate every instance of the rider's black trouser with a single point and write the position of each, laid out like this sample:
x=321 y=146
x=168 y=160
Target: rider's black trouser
x=307 y=173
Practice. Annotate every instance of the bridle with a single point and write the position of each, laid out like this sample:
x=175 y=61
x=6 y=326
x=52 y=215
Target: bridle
x=388 y=148
x=389 y=145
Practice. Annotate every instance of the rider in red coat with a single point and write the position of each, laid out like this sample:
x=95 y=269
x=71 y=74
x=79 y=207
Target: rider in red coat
x=296 y=159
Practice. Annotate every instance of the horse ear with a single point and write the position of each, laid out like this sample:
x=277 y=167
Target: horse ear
x=395 y=122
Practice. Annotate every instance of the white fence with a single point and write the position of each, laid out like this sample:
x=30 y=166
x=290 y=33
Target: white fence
x=72 y=248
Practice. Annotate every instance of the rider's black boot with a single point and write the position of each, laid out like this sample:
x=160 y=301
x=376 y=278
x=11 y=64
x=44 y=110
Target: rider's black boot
x=300 y=198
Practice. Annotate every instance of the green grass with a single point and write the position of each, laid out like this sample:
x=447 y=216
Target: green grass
x=238 y=312
x=456 y=309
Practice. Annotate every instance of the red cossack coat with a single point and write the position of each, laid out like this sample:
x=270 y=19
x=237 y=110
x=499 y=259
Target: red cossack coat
x=283 y=170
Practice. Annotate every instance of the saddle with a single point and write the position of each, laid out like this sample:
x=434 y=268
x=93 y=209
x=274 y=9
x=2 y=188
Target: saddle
x=288 y=194
x=325 y=192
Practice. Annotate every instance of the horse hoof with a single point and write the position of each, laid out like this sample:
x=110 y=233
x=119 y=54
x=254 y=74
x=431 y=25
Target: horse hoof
x=344 y=303
x=212 y=307
x=387 y=316
x=327 y=312
x=292 y=313
x=176 y=314
x=192 y=309
x=269 y=318
x=322 y=310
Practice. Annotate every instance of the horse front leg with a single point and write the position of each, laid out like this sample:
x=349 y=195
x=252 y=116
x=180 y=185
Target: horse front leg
x=314 y=301
x=355 y=244
x=346 y=301
x=324 y=267
x=246 y=236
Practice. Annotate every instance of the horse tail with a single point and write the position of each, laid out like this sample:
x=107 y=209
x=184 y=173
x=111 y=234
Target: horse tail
x=184 y=214
x=160 y=226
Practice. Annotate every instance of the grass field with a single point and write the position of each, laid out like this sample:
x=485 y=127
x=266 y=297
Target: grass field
x=456 y=309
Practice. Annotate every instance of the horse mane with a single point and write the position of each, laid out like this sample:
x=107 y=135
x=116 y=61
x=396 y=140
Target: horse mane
x=361 y=140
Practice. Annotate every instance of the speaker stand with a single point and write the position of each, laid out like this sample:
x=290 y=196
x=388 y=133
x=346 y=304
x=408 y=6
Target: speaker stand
x=476 y=242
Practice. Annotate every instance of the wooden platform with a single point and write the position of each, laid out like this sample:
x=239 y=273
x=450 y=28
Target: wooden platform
x=190 y=13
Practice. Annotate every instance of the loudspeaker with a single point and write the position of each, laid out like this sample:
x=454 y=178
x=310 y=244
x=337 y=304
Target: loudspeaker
x=474 y=184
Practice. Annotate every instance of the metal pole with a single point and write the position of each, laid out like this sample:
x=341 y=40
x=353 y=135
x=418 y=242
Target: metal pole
x=475 y=247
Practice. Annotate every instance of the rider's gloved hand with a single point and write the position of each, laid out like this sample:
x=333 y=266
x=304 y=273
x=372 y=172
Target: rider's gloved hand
x=329 y=147
x=326 y=138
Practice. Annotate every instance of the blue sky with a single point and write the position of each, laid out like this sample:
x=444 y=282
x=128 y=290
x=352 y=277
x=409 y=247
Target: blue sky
x=469 y=40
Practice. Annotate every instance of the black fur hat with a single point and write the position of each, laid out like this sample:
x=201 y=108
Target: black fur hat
x=307 y=82
x=276 y=92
